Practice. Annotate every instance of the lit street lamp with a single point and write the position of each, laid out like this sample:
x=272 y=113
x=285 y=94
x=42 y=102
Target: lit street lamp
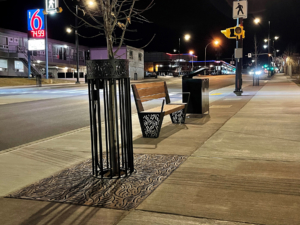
x=69 y=30
x=256 y=20
x=187 y=37
x=265 y=46
x=216 y=43
x=192 y=54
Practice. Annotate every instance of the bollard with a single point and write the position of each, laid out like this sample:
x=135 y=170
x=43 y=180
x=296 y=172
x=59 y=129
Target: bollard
x=38 y=80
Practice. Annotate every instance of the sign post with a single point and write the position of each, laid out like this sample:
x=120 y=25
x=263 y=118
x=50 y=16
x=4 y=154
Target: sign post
x=239 y=12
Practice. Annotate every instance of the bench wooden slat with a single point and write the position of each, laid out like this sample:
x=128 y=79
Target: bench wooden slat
x=152 y=91
x=149 y=85
x=151 y=97
x=168 y=109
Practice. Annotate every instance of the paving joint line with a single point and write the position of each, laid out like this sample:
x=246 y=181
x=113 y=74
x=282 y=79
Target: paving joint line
x=260 y=135
x=176 y=214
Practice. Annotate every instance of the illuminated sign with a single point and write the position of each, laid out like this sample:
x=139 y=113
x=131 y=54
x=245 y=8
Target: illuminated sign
x=51 y=6
x=36 y=44
x=35 y=23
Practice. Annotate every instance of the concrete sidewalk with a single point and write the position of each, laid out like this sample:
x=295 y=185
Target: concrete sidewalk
x=243 y=166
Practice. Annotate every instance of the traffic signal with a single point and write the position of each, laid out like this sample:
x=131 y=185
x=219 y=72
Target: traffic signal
x=234 y=32
x=239 y=32
x=229 y=33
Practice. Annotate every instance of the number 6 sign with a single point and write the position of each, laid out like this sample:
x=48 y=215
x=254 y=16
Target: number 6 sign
x=35 y=21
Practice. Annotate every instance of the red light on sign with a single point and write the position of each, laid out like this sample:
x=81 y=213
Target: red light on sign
x=36 y=34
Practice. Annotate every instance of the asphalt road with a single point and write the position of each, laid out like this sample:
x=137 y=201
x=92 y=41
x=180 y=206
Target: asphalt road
x=60 y=109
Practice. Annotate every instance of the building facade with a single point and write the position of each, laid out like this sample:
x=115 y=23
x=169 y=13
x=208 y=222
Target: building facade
x=170 y=64
x=61 y=57
x=135 y=56
x=14 y=56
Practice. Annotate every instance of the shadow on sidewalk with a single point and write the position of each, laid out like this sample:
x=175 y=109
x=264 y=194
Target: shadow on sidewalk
x=25 y=212
x=171 y=132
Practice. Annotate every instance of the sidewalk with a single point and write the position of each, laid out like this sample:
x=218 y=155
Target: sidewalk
x=243 y=166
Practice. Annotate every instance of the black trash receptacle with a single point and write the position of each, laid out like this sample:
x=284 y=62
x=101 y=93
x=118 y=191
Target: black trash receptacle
x=199 y=94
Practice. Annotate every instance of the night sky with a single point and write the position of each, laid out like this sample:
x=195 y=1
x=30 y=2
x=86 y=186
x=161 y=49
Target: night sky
x=171 y=19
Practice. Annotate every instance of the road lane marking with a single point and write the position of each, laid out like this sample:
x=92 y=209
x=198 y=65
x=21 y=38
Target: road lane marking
x=216 y=94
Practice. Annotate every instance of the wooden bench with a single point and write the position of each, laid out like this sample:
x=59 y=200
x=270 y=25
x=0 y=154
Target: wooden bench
x=151 y=119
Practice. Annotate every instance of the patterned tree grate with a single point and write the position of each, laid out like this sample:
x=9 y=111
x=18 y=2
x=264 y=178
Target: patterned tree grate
x=76 y=185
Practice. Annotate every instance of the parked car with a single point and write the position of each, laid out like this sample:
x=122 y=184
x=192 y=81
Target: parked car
x=50 y=75
x=150 y=74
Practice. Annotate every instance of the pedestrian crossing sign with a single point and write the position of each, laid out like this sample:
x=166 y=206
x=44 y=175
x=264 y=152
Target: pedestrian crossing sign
x=240 y=9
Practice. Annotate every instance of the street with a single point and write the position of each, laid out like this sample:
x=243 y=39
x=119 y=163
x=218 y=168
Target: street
x=30 y=114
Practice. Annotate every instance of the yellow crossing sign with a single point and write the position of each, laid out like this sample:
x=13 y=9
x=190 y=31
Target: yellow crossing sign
x=234 y=32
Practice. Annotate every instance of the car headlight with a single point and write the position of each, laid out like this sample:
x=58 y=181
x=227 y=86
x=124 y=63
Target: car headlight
x=251 y=73
x=257 y=72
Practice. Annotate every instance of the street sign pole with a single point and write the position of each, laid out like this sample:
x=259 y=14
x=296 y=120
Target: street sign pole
x=239 y=44
x=239 y=64
x=46 y=45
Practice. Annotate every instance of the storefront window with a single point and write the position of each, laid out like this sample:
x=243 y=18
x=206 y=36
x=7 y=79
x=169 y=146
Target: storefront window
x=19 y=66
x=3 y=64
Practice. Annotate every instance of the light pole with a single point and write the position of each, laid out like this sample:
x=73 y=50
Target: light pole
x=275 y=39
x=76 y=43
x=187 y=37
x=192 y=54
x=256 y=21
x=216 y=43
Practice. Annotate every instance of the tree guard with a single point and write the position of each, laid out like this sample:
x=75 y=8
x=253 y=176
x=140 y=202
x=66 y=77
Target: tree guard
x=111 y=144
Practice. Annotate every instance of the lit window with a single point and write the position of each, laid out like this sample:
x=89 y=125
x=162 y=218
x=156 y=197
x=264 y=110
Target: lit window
x=3 y=63
x=19 y=66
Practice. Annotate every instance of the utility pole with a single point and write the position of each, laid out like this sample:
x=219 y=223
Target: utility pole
x=179 y=59
x=46 y=45
x=255 y=57
x=76 y=42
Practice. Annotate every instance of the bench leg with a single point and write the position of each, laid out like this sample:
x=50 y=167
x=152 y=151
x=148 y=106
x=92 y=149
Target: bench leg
x=151 y=124
x=178 y=117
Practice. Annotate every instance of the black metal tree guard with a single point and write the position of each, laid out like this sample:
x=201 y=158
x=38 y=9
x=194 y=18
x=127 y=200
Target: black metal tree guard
x=112 y=147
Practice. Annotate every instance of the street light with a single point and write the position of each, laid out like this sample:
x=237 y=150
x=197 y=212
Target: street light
x=265 y=46
x=266 y=40
x=216 y=43
x=69 y=30
x=276 y=37
x=187 y=37
x=256 y=20
x=192 y=54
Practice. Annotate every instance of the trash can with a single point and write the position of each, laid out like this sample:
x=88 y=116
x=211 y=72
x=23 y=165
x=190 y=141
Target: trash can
x=199 y=94
x=38 y=80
